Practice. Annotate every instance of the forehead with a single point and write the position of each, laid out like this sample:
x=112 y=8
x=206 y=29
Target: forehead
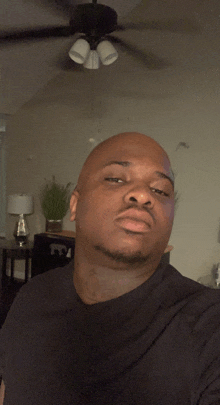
x=147 y=154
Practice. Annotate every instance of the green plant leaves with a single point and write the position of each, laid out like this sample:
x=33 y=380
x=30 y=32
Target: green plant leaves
x=55 y=198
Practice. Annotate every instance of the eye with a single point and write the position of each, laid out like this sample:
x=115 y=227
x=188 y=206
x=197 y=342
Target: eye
x=114 y=179
x=160 y=192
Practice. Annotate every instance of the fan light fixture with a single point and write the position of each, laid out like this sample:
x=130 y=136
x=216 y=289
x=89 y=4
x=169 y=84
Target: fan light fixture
x=82 y=54
x=79 y=51
x=107 y=52
x=92 y=62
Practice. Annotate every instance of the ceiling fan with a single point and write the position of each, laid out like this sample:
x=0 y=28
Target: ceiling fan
x=95 y=24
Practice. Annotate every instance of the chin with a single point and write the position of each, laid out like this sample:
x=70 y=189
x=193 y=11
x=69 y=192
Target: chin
x=123 y=256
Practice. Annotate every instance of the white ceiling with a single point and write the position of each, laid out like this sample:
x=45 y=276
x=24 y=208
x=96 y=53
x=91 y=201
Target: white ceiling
x=27 y=67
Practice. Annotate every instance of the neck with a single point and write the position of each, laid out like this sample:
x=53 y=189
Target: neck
x=95 y=282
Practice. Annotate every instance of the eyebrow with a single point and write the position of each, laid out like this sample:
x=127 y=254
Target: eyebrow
x=118 y=162
x=164 y=176
x=126 y=164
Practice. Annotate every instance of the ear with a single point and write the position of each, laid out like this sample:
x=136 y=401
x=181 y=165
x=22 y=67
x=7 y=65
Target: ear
x=73 y=204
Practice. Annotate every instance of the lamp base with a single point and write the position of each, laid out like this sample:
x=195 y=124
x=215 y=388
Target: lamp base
x=21 y=231
x=21 y=240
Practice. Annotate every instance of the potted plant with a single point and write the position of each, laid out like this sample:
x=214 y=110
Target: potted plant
x=54 y=198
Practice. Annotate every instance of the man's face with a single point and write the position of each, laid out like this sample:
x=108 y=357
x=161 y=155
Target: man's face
x=125 y=203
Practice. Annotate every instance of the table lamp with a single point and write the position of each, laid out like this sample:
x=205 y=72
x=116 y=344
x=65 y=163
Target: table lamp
x=20 y=204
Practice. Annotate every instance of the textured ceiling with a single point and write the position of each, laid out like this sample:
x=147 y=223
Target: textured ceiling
x=26 y=68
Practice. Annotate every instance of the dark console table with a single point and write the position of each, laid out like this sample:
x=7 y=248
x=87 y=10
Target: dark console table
x=51 y=251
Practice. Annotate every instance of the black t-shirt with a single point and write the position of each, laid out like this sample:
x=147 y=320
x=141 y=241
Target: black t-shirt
x=156 y=345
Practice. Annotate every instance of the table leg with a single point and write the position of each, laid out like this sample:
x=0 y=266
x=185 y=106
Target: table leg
x=4 y=264
x=12 y=268
x=26 y=265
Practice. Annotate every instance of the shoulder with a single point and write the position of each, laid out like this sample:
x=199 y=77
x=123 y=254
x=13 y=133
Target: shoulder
x=35 y=310
x=51 y=290
x=198 y=332
x=184 y=286
x=199 y=303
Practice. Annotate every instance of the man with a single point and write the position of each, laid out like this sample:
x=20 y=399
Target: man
x=116 y=326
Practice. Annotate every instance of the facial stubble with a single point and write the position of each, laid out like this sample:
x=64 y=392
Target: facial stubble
x=122 y=257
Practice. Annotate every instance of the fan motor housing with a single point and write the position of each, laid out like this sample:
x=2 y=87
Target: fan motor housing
x=92 y=19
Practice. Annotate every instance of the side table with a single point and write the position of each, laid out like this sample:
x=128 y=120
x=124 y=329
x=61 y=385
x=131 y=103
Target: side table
x=11 y=250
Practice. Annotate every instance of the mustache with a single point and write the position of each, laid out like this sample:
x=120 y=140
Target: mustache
x=142 y=208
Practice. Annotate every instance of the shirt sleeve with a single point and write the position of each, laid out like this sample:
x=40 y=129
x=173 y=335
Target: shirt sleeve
x=3 y=341
x=208 y=332
x=8 y=330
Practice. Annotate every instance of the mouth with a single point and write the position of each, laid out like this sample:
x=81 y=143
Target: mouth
x=133 y=225
x=134 y=221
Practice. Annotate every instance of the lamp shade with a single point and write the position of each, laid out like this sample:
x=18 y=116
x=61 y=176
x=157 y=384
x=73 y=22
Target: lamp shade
x=20 y=204
x=79 y=51
x=92 y=62
x=107 y=52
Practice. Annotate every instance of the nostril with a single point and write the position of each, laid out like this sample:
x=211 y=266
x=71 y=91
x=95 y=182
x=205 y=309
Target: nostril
x=133 y=199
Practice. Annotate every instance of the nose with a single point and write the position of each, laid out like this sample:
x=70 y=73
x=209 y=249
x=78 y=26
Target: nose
x=140 y=195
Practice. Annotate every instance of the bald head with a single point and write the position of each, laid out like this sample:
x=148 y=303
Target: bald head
x=123 y=203
x=136 y=143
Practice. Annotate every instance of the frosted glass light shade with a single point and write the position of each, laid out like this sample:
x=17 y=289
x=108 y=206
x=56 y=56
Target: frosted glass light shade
x=20 y=204
x=79 y=51
x=107 y=52
x=92 y=62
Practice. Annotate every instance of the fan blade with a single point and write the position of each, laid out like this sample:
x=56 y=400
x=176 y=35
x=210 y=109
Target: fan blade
x=181 y=26
x=63 y=62
x=57 y=7
x=36 y=34
x=67 y=65
x=150 y=60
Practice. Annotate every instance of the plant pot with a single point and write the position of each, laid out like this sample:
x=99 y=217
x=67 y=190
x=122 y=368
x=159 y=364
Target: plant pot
x=54 y=225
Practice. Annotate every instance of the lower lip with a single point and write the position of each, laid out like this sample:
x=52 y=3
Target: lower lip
x=133 y=226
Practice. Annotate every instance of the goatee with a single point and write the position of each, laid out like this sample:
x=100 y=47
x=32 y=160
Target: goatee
x=122 y=257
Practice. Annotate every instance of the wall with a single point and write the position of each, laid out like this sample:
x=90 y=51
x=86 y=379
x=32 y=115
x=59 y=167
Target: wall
x=51 y=135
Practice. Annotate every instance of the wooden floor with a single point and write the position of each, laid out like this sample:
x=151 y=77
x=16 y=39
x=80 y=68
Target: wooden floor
x=8 y=292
